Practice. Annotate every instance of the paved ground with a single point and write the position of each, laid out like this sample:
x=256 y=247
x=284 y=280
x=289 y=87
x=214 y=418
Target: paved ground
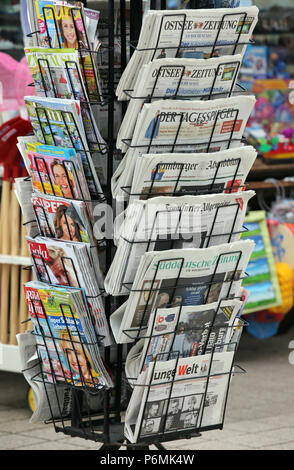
x=260 y=411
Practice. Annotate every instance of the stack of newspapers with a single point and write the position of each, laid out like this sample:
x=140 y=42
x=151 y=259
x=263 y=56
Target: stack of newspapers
x=179 y=257
x=65 y=299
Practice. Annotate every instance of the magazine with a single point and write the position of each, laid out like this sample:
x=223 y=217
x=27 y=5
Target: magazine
x=63 y=26
x=191 y=34
x=184 y=126
x=56 y=73
x=179 y=395
x=62 y=219
x=57 y=171
x=66 y=339
x=58 y=122
x=163 y=223
x=188 y=276
x=193 y=173
x=71 y=264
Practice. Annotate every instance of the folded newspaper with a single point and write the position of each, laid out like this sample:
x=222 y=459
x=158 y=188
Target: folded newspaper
x=71 y=264
x=66 y=339
x=189 y=33
x=163 y=223
x=180 y=78
x=184 y=332
x=50 y=401
x=188 y=276
x=179 y=396
x=183 y=126
x=192 y=173
x=23 y=191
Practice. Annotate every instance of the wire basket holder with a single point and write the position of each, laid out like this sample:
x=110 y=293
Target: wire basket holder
x=173 y=146
x=203 y=340
x=178 y=415
x=151 y=295
x=42 y=114
x=167 y=241
x=83 y=51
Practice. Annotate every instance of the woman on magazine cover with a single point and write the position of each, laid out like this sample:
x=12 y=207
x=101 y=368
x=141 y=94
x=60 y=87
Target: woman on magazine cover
x=65 y=226
x=62 y=178
x=71 y=36
x=79 y=360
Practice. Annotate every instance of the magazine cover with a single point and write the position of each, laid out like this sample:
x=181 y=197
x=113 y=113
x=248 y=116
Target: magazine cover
x=71 y=264
x=57 y=315
x=59 y=123
x=64 y=27
x=57 y=171
x=56 y=73
x=62 y=219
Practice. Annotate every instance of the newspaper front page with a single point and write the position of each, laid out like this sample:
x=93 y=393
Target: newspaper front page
x=180 y=78
x=190 y=33
x=193 y=173
x=184 y=126
x=184 y=332
x=163 y=223
x=178 y=395
x=188 y=276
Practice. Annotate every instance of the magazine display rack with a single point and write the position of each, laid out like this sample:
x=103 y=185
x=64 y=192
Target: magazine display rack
x=95 y=413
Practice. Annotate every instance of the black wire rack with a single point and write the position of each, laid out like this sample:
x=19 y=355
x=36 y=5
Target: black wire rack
x=94 y=412
x=181 y=415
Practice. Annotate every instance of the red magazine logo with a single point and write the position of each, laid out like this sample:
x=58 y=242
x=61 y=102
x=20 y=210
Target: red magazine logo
x=228 y=126
x=39 y=250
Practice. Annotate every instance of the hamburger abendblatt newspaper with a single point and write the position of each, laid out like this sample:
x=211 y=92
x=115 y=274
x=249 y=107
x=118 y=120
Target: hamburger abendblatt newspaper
x=192 y=173
x=173 y=383
x=188 y=276
x=162 y=223
x=183 y=126
x=166 y=34
x=183 y=78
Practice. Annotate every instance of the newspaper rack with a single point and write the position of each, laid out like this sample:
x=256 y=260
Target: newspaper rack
x=95 y=412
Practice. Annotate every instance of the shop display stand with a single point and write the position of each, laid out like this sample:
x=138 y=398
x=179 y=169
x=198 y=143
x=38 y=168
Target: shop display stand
x=84 y=418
